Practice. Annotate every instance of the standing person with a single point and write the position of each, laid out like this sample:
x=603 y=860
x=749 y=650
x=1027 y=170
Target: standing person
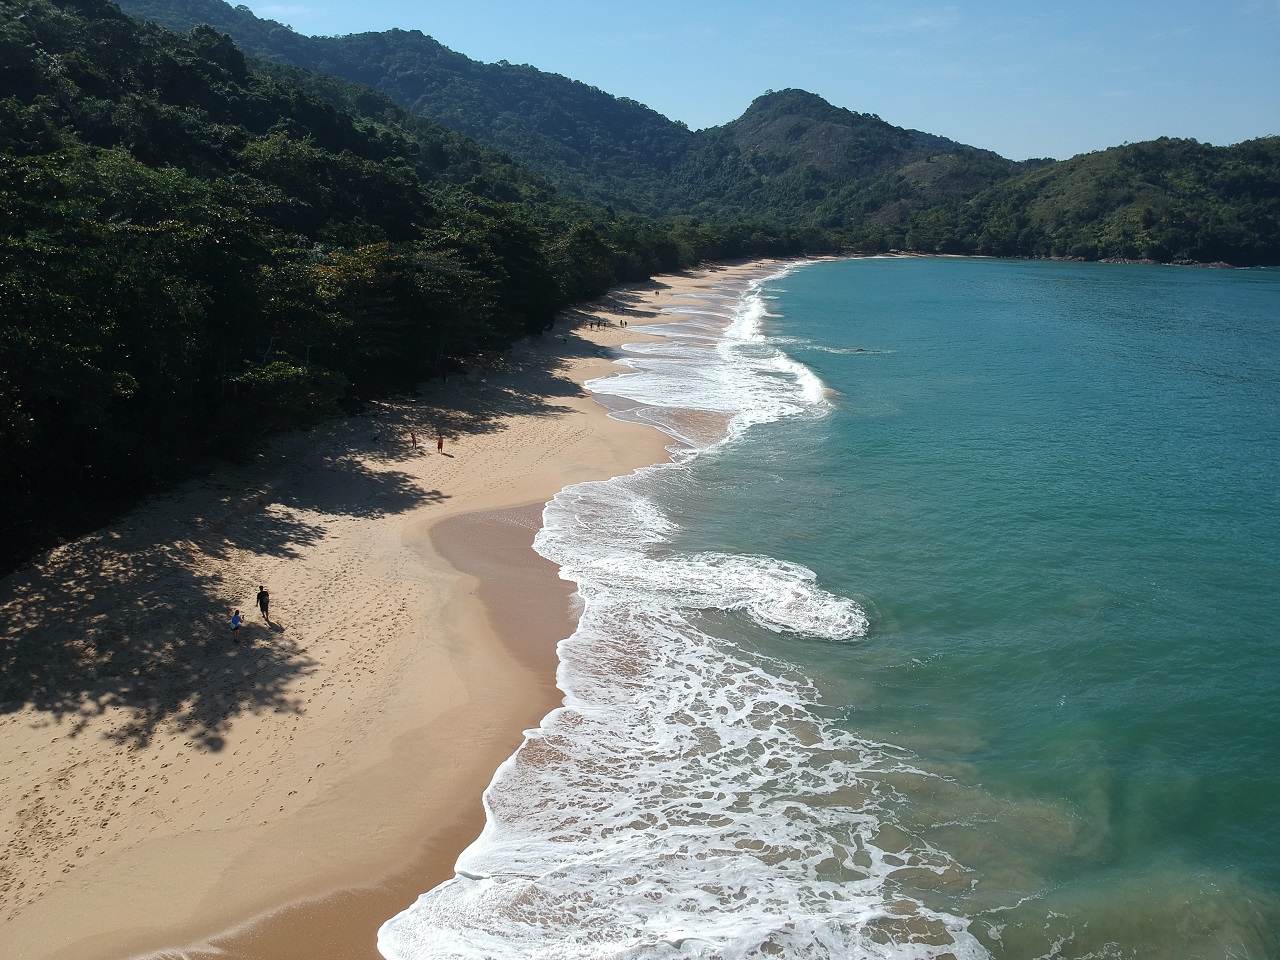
x=439 y=443
x=235 y=626
x=264 y=601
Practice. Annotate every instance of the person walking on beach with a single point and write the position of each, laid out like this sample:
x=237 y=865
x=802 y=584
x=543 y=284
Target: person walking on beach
x=235 y=626
x=264 y=602
x=439 y=443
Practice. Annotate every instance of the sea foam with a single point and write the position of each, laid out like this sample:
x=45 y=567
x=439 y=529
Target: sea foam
x=687 y=800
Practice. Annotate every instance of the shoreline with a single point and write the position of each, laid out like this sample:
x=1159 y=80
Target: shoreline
x=168 y=792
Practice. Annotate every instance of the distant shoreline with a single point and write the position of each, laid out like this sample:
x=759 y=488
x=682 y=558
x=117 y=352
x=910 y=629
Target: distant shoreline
x=908 y=254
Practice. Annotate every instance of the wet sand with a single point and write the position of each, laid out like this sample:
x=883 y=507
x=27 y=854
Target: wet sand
x=166 y=790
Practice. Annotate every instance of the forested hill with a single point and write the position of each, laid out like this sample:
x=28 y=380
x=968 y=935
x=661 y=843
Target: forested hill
x=791 y=157
x=794 y=159
x=1166 y=200
x=595 y=146
x=808 y=162
x=194 y=252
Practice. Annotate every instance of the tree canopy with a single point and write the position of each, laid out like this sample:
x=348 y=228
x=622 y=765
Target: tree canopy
x=197 y=247
x=794 y=159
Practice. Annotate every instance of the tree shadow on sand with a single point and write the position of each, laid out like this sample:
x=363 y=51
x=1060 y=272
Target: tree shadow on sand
x=129 y=620
x=522 y=382
x=124 y=621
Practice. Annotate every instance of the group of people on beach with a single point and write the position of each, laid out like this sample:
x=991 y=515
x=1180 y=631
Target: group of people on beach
x=264 y=606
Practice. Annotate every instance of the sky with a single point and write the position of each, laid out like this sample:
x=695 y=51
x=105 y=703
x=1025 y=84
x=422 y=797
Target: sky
x=1025 y=78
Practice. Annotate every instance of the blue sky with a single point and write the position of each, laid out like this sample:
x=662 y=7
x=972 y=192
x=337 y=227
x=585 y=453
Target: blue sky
x=1026 y=78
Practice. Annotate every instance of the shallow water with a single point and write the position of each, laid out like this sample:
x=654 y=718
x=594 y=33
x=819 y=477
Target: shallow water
x=961 y=643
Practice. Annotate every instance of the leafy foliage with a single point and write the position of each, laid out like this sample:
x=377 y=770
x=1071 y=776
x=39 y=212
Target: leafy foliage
x=194 y=251
x=597 y=147
x=1165 y=200
x=811 y=163
x=794 y=159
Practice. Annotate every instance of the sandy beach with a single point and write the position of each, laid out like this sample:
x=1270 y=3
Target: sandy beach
x=165 y=790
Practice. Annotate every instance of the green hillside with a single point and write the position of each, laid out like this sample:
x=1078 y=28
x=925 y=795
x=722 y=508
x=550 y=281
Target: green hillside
x=808 y=162
x=791 y=158
x=1166 y=200
x=794 y=159
x=197 y=252
x=597 y=147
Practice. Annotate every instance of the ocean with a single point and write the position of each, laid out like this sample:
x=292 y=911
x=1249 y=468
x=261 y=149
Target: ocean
x=950 y=632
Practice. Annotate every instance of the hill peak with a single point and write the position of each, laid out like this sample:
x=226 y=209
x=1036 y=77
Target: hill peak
x=797 y=102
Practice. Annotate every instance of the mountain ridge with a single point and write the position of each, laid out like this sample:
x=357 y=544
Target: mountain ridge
x=599 y=147
x=794 y=160
x=797 y=161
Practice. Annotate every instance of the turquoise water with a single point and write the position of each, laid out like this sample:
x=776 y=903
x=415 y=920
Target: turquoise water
x=961 y=644
x=1056 y=490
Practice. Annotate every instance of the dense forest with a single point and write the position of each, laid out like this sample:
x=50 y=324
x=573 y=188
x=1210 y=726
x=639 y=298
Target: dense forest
x=794 y=159
x=1166 y=200
x=809 y=163
x=597 y=147
x=195 y=249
